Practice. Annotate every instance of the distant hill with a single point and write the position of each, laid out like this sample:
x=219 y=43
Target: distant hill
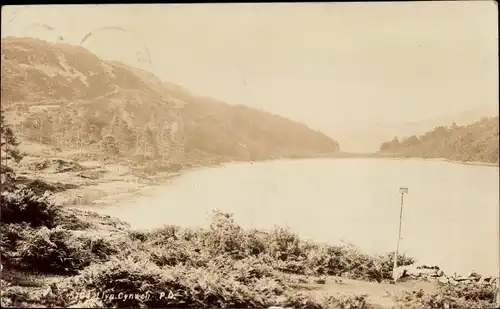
x=363 y=136
x=66 y=97
x=477 y=142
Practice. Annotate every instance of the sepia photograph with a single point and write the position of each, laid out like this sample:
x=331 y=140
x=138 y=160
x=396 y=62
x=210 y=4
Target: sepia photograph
x=327 y=155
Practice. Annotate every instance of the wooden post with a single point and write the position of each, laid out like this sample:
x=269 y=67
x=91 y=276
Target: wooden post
x=394 y=275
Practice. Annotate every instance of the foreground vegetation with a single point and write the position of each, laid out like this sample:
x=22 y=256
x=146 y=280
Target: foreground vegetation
x=222 y=266
x=477 y=142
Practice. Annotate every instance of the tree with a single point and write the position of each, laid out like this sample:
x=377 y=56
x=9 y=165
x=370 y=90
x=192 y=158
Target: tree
x=395 y=143
x=110 y=147
x=385 y=147
x=9 y=152
x=411 y=141
x=8 y=142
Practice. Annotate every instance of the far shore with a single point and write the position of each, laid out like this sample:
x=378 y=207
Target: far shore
x=405 y=157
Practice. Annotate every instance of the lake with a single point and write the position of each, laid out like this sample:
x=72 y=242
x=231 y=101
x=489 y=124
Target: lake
x=450 y=215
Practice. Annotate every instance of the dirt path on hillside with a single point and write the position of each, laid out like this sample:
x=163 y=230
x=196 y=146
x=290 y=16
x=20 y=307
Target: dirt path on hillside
x=379 y=294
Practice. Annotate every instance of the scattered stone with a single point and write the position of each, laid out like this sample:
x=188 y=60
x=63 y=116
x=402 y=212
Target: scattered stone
x=399 y=273
x=431 y=273
x=428 y=267
x=475 y=276
x=418 y=272
x=453 y=281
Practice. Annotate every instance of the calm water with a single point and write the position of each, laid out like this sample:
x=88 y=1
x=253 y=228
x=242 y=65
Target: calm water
x=450 y=215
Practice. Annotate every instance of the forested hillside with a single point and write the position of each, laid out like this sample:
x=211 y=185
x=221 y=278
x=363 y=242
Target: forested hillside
x=469 y=143
x=66 y=97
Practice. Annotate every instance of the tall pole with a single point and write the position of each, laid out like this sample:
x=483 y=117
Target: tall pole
x=402 y=190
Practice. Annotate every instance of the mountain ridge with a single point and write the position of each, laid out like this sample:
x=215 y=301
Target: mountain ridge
x=65 y=96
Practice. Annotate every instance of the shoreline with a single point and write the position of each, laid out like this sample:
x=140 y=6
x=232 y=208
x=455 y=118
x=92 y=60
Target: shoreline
x=403 y=157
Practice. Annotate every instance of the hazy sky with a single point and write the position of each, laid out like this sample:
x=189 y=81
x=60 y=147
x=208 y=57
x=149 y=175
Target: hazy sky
x=332 y=65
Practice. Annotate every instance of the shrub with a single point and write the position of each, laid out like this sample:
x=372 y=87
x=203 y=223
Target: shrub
x=224 y=236
x=245 y=271
x=39 y=186
x=135 y=235
x=11 y=296
x=349 y=302
x=301 y=300
x=10 y=235
x=231 y=286
x=386 y=263
x=54 y=251
x=96 y=220
x=161 y=235
x=24 y=205
x=101 y=249
x=7 y=178
x=170 y=254
x=283 y=244
x=68 y=218
x=462 y=295
x=341 y=261
x=255 y=243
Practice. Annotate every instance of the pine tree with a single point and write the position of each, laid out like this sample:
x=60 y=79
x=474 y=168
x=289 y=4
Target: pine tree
x=9 y=152
x=8 y=142
x=110 y=147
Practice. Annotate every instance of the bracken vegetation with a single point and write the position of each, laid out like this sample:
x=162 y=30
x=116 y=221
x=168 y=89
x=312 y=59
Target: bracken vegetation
x=223 y=266
x=475 y=142
x=462 y=295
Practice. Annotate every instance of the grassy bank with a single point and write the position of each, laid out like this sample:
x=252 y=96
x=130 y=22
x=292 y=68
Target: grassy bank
x=81 y=259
